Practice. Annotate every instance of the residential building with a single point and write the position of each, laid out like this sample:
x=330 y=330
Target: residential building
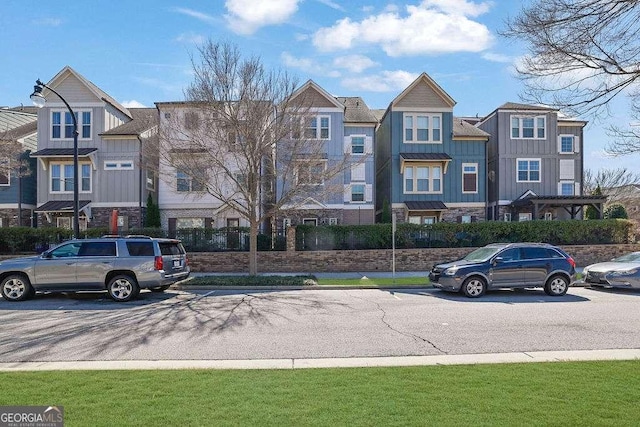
x=430 y=166
x=18 y=130
x=346 y=129
x=184 y=200
x=535 y=164
x=116 y=148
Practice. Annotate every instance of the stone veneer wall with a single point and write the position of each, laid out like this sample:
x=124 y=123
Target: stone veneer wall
x=100 y=217
x=370 y=260
x=12 y=216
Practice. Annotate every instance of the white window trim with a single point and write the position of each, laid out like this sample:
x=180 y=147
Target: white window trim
x=575 y=148
x=119 y=165
x=529 y=160
x=475 y=165
x=62 y=112
x=314 y=220
x=415 y=179
x=364 y=193
x=567 y=182
x=62 y=164
x=318 y=135
x=302 y=162
x=415 y=115
x=520 y=127
x=151 y=186
x=364 y=144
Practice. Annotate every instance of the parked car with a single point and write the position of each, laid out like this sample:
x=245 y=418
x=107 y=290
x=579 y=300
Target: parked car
x=621 y=272
x=507 y=265
x=120 y=265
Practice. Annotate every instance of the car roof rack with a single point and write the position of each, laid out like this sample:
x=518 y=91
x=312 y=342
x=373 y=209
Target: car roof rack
x=137 y=236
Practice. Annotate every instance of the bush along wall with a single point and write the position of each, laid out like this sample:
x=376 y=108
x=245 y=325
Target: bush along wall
x=378 y=236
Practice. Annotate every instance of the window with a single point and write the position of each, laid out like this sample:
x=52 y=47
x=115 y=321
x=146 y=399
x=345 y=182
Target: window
x=528 y=170
x=524 y=216
x=185 y=183
x=567 y=144
x=191 y=120
x=422 y=179
x=66 y=251
x=507 y=217
x=189 y=223
x=118 y=165
x=310 y=173
x=317 y=128
x=357 y=145
x=140 y=248
x=62 y=124
x=4 y=173
x=511 y=254
x=151 y=180
x=98 y=249
x=469 y=177
x=62 y=178
x=357 y=193
x=310 y=221
x=422 y=128
x=535 y=253
x=528 y=127
x=567 y=188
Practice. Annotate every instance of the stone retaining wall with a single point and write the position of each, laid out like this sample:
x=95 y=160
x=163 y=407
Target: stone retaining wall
x=366 y=260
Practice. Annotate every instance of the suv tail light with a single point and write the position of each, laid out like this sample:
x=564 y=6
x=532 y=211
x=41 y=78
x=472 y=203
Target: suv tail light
x=186 y=260
x=157 y=263
x=572 y=262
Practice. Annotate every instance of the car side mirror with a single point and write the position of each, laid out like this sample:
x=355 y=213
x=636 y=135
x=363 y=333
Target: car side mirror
x=497 y=260
x=46 y=255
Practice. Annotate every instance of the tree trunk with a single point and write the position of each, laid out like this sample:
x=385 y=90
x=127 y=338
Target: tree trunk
x=253 y=248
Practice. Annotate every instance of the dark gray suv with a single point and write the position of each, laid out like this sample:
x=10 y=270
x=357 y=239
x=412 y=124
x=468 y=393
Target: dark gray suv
x=121 y=265
x=507 y=265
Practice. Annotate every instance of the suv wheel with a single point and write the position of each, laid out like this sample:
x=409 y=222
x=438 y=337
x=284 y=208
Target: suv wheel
x=474 y=287
x=123 y=288
x=159 y=288
x=17 y=287
x=556 y=286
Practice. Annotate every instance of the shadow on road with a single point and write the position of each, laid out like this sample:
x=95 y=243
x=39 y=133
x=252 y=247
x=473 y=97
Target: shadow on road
x=505 y=296
x=60 y=324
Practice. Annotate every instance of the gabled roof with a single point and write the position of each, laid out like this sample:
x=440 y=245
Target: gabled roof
x=462 y=128
x=99 y=93
x=11 y=119
x=356 y=110
x=313 y=86
x=424 y=78
x=143 y=119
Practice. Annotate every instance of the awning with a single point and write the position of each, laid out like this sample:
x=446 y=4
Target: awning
x=64 y=153
x=64 y=206
x=425 y=158
x=436 y=205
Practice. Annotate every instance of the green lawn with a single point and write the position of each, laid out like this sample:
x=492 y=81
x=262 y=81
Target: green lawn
x=580 y=393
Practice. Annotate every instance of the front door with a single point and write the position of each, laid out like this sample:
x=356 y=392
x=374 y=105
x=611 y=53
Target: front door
x=56 y=269
x=507 y=269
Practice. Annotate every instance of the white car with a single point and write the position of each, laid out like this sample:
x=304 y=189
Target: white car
x=621 y=272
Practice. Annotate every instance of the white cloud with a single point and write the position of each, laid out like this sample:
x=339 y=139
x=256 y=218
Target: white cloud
x=433 y=26
x=305 y=64
x=331 y=4
x=247 y=16
x=386 y=81
x=132 y=104
x=354 y=63
x=498 y=57
x=48 y=22
x=195 y=14
x=191 y=38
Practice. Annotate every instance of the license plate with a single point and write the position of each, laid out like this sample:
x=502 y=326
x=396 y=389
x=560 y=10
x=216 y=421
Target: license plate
x=176 y=263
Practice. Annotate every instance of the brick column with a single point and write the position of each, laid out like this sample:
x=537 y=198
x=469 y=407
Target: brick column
x=291 y=238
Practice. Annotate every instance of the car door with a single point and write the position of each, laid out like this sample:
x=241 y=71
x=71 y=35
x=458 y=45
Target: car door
x=506 y=269
x=536 y=264
x=56 y=269
x=95 y=260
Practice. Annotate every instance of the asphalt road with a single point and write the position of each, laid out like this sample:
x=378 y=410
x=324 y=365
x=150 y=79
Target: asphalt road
x=215 y=325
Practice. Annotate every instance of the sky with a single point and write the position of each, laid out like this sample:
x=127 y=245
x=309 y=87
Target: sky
x=140 y=51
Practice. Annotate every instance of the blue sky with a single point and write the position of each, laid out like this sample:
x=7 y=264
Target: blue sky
x=139 y=51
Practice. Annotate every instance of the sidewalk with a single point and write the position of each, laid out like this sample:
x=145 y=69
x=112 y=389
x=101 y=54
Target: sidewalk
x=351 y=362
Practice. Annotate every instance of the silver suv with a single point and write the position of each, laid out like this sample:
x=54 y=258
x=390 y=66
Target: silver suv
x=121 y=265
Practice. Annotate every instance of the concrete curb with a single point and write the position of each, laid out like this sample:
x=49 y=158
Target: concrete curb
x=352 y=362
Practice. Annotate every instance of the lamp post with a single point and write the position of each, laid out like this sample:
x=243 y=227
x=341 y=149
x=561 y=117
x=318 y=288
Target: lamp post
x=39 y=100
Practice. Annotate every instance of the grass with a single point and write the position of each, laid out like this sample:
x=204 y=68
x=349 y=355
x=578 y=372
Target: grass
x=576 y=393
x=301 y=281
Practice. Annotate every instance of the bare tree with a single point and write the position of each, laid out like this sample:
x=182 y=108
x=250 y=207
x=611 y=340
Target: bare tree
x=583 y=53
x=14 y=162
x=614 y=183
x=242 y=137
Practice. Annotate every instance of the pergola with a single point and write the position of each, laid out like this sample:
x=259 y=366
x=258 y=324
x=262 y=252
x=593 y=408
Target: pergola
x=572 y=204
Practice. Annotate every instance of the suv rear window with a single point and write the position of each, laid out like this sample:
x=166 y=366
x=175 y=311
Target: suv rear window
x=170 y=248
x=140 y=248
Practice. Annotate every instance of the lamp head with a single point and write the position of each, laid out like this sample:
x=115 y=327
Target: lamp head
x=36 y=97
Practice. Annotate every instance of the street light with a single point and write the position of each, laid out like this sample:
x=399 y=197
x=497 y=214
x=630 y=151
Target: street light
x=39 y=100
